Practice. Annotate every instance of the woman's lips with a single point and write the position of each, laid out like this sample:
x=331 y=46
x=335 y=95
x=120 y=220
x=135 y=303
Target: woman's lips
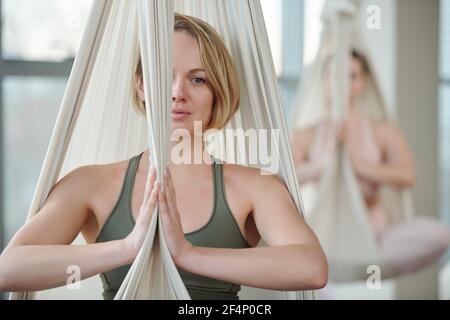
x=180 y=115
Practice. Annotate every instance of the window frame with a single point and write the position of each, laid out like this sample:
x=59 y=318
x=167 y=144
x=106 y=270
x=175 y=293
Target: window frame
x=23 y=68
x=444 y=128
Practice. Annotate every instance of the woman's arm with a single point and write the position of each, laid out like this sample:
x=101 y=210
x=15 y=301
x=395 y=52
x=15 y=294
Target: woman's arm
x=306 y=170
x=40 y=253
x=39 y=267
x=398 y=168
x=294 y=259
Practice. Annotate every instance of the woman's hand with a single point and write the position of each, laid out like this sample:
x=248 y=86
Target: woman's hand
x=178 y=245
x=133 y=242
x=358 y=160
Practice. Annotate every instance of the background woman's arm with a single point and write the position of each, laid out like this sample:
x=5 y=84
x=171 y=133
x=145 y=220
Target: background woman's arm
x=306 y=170
x=398 y=169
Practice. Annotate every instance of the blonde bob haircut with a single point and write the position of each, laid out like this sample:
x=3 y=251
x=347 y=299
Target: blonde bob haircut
x=219 y=68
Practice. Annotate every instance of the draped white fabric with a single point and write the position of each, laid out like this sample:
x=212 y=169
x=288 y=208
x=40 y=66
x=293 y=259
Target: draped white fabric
x=97 y=124
x=335 y=207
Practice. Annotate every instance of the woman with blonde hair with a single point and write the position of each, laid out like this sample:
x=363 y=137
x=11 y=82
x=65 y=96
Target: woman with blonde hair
x=213 y=214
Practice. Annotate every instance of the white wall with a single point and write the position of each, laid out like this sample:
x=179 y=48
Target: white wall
x=417 y=103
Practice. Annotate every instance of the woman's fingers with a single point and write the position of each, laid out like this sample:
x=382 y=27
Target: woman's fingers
x=147 y=211
x=171 y=187
x=151 y=203
x=340 y=132
x=163 y=208
x=170 y=193
x=150 y=196
x=151 y=178
x=163 y=194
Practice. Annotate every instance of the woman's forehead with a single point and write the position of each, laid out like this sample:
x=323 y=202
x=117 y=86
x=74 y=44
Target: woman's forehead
x=186 y=53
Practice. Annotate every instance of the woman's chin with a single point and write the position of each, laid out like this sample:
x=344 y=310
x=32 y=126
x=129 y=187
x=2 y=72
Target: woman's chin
x=182 y=128
x=176 y=124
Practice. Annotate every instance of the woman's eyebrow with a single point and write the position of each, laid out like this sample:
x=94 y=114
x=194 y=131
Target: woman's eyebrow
x=196 y=70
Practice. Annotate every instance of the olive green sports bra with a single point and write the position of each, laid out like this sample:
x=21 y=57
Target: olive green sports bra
x=221 y=231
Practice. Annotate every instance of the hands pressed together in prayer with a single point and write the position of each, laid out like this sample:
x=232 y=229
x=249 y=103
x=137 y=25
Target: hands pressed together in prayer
x=162 y=195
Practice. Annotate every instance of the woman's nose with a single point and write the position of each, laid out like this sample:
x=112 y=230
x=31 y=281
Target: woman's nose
x=179 y=93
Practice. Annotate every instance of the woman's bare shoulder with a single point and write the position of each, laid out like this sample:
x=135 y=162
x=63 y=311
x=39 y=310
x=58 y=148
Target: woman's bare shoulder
x=89 y=182
x=386 y=130
x=93 y=173
x=250 y=177
x=97 y=186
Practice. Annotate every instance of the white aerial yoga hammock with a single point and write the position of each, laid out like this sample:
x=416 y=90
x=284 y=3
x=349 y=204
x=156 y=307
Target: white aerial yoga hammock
x=97 y=123
x=337 y=212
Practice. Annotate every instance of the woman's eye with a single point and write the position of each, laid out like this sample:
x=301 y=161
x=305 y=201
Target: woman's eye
x=198 y=81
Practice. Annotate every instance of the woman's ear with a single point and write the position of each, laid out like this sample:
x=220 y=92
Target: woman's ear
x=140 y=88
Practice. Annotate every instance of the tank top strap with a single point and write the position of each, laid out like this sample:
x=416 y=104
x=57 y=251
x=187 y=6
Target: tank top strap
x=223 y=213
x=218 y=180
x=131 y=175
x=120 y=218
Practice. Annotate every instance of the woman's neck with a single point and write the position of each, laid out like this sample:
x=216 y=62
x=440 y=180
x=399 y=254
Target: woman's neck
x=188 y=151
x=192 y=148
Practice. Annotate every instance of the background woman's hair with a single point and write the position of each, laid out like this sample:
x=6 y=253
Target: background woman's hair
x=219 y=68
x=362 y=59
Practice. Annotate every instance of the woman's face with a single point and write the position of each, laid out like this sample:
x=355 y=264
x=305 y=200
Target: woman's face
x=357 y=79
x=192 y=98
